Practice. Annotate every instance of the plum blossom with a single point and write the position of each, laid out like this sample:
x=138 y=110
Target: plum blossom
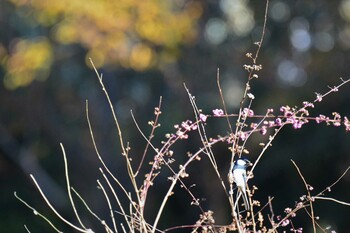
x=347 y=124
x=248 y=112
x=322 y=118
x=263 y=130
x=287 y=111
x=308 y=104
x=203 y=117
x=278 y=121
x=318 y=97
x=218 y=112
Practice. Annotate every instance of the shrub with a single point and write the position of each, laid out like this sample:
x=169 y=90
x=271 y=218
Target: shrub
x=241 y=127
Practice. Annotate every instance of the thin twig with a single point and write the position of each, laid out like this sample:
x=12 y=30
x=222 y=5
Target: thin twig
x=116 y=197
x=26 y=228
x=36 y=213
x=154 y=126
x=335 y=182
x=69 y=187
x=333 y=199
x=53 y=209
x=204 y=138
x=317 y=224
x=309 y=196
x=109 y=205
x=223 y=99
x=271 y=210
x=124 y=150
x=144 y=196
x=105 y=166
x=174 y=181
x=103 y=222
x=86 y=205
x=263 y=32
x=99 y=76
x=103 y=163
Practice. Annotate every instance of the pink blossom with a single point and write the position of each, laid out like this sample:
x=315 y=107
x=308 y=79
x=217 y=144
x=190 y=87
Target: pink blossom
x=304 y=111
x=300 y=204
x=251 y=96
x=287 y=210
x=286 y=110
x=181 y=134
x=248 y=112
x=322 y=118
x=308 y=104
x=337 y=123
x=263 y=130
x=218 y=112
x=337 y=119
x=278 y=122
x=203 y=117
x=347 y=124
x=297 y=124
x=186 y=125
x=242 y=135
x=319 y=97
x=335 y=89
x=285 y=222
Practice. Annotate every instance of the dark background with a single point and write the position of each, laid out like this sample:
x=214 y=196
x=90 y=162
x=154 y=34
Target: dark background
x=44 y=88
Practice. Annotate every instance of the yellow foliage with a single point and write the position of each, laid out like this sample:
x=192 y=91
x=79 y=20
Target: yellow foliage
x=3 y=54
x=141 y=57
x=65 y=32
x=124 y=32
x=29 y=60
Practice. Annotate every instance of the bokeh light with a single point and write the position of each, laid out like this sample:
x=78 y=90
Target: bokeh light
x=323 y=41
x=290 y=74
x=299 y=34
x=240 y=16
x=216 y=31
x=279 y=11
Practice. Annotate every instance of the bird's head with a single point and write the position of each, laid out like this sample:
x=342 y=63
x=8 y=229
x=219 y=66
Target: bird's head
x=243 y=162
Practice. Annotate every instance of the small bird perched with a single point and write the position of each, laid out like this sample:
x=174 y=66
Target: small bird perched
x=240 y=178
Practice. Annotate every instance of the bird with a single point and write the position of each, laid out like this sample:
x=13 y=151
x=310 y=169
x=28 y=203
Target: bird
x=240 y=178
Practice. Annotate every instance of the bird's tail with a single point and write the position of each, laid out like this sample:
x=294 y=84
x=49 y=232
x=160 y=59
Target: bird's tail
x=245 y=200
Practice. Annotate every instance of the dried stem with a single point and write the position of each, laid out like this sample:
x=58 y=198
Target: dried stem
x=69 y=187
x=154 y=126
x=308 y=195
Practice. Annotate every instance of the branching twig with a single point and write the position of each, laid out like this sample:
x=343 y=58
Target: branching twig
x=332 y=199
x=223 y=100
x=308 y=195
x=154 y=126
x=174 y=181
x=69 y=187
x=37 y=213
x=54 y=210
